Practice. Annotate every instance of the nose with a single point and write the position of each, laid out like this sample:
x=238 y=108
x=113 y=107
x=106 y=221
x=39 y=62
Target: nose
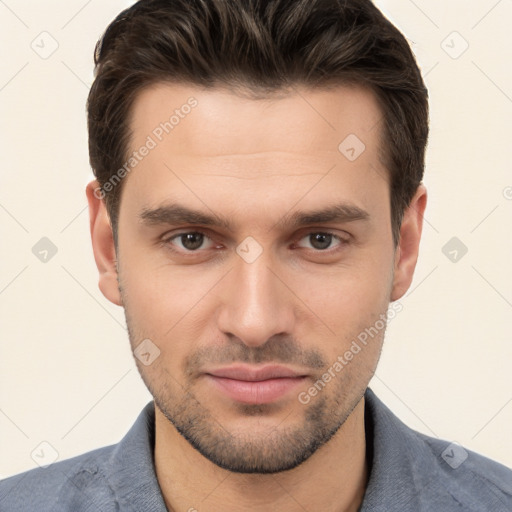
x=255 y=303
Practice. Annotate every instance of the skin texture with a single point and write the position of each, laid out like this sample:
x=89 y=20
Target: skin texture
x=300 y=303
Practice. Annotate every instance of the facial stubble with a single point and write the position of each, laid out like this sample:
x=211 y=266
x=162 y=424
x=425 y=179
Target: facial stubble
x=281 y=448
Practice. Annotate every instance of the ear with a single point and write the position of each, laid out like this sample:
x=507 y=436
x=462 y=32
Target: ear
x=103 y=243
x=406 y=254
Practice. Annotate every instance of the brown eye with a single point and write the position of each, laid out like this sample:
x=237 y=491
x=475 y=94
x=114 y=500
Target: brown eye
x=320 y=241
x=190 y=241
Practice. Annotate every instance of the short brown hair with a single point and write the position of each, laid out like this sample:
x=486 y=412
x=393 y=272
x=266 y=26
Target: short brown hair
x=261 y=47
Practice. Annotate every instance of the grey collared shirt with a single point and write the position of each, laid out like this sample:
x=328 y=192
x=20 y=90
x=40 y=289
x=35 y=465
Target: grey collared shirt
x=409 y=472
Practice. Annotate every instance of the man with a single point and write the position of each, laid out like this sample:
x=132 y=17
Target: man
x=257 y=213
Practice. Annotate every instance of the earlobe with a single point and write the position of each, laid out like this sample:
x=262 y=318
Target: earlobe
x=408 y=246
x=103 y=244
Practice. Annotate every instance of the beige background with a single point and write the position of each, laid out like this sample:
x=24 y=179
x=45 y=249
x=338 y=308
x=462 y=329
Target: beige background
x=67 y=377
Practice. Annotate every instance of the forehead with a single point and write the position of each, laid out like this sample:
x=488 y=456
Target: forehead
x=227 y=151
x=223 y=122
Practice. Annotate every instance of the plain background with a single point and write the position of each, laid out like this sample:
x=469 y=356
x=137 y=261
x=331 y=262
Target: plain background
x=67 y=375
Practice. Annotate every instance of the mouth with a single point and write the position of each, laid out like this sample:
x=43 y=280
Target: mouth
x=255 y=385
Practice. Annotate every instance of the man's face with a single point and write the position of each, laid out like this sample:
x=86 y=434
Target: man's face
x=250 y=309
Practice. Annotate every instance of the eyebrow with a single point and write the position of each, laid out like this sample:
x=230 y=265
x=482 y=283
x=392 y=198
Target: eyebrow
x=173 y=214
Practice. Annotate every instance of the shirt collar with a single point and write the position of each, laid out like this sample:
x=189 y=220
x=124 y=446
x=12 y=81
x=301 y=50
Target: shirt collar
x=133 y=476
x=393 y=457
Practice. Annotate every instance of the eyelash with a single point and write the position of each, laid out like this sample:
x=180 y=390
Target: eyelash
x=167 y=241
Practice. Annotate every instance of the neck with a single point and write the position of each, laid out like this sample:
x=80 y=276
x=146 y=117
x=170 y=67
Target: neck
x=333 y=479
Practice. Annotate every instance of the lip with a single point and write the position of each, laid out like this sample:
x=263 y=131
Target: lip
x=255 y=385
x=254 y=374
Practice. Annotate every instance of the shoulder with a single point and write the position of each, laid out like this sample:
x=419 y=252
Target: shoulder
x=79 y=483
x=413 y=471
x=110 y=479
x=470 y=477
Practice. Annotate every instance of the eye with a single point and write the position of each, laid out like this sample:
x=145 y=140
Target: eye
x=190 y=241
x=321 y=241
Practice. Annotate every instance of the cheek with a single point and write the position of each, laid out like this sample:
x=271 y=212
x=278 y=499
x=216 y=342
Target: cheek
x=351 y=302
x=150 y=281
x=356 y=290
x=166 y=303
